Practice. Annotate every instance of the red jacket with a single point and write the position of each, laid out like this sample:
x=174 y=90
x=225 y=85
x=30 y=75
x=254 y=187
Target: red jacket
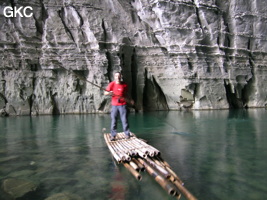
x=119 y=93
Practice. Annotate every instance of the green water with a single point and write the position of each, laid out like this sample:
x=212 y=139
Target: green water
x=218 y=154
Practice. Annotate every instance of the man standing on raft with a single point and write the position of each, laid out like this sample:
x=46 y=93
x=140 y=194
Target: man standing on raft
x=118 y=90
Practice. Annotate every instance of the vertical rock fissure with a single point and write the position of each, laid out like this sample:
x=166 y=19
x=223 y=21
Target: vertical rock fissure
x=104 y=39
x=153 y=96
x=247 y=91
x=109 y=67
x=3 y=98
x=61 y=16
x=134 y=72
x=32 y=95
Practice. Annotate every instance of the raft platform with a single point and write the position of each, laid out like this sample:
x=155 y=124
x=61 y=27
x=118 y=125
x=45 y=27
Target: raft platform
x=136 y=155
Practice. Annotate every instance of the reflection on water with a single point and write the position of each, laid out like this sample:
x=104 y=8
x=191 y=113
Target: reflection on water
x=218 y=154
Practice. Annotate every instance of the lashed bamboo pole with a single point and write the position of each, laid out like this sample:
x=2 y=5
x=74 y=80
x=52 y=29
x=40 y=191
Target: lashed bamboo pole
x=115 y=155
x=140 y=166
x=177 y=181
x=138 y=149
x=145 y=151
x=163 y=171
x=128 y=148
x=133 y=148
x=163 y=163
x=134 y=165
x=162 y=182
x=121 y=135
x=141 y=150
x=139 y=143
x=120 y=154
x=122 y=157
x=123 y=150
x=184 y=191
x=143 y=147
x=133 y=171
x=118 y=159
x=180 y=185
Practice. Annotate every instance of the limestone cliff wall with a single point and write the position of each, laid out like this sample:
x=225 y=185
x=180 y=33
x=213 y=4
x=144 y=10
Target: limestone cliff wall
x=201 y=54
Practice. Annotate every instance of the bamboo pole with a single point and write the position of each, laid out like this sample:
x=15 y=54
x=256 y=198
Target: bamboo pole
x=139 y=144
x=131 y=146
x=115 y=155
x=138 y=149
x=165 y=184
x=128 y=149
x=184 y=191
x=134 y=165
x=177 y=181
x=122 y=155
x=140 y=166
x=153 y=151
x=136 y=143
x=174 y=176
x=163 y=171
x=116 y=150
x=180 y=185
x=163 y=161
x=121 y=135
x=133 y=171
x=122 y=150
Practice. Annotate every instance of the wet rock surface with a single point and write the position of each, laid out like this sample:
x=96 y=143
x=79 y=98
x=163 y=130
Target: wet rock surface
x=173 y=54
x=17 y=188
x=64 y=196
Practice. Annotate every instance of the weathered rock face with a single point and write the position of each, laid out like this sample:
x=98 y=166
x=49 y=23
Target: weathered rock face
x=202 y=54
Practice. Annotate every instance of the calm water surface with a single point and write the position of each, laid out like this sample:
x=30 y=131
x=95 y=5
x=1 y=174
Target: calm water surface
x=218 y=154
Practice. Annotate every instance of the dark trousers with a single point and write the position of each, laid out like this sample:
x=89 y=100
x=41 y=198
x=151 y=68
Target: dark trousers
x=115 y=112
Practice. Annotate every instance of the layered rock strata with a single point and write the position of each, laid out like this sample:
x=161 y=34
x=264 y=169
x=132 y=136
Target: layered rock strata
x=174 y=54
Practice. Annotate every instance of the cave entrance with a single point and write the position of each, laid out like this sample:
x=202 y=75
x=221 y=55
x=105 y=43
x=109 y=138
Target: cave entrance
x=233 y=100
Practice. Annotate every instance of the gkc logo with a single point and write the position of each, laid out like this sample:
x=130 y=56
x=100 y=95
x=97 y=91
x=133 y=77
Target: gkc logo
x=15 y=11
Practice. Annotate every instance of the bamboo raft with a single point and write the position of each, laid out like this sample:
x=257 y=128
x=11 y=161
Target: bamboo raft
x=136 y=155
